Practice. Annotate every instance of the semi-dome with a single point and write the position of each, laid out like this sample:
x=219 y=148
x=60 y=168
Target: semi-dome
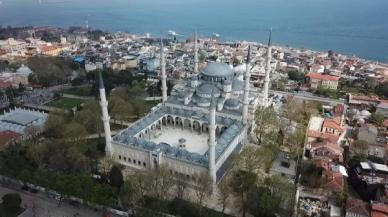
x=205 y=90
x=218 y=70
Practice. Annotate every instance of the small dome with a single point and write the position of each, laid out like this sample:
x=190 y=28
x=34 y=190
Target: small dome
x=218 y=70
x=365 y=113
x=203 y=102
x=232 y=104
x=24 y=70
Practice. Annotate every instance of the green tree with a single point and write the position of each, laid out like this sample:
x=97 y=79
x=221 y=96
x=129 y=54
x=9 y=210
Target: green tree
x=54 y=125
x=296 y=76
x=12 y=202
x=378 y=118
x=266 y=121
x=116 y=178
x=243 y=182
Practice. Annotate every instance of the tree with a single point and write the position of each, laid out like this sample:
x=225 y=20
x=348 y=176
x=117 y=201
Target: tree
x=296 y=76
x=54 y=125
x=311 y=175
x=382 y=89
x=269 y=196
x=266 y=120
x=378 y=118
x=224 y=193
x=36 y=152
x=116 y=177
x=359 y=148
x=203 y=186
x=119 y=108
x=160 y=182
x=12 y=202
x=87 y=117
x=295 y=141
x=181 y=185
x=74 y=132
x=241 y=183
x=105 y=166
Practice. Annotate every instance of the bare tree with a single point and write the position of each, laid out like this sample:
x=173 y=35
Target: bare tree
x=224 y=192
x=202 y=189
x=181 y=185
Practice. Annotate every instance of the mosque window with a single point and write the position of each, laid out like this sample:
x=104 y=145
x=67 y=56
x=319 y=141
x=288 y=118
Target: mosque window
x=144 y=164
x=134 y=161
x=119 y=157
x=125 y=158
x=129 y=160
x=138 y=162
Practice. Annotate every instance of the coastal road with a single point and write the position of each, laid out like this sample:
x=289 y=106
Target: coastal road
x=43 y=206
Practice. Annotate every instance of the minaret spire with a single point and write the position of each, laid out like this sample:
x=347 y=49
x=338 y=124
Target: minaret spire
x=163 y=72
x=267 y=71
x=105 y=117
x=247 y=76
x=195 y=53
x=212 y=139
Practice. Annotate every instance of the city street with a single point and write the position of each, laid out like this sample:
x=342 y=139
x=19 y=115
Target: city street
x=41 y=206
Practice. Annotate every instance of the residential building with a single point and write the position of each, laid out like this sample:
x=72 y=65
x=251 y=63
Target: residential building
x=317 y=80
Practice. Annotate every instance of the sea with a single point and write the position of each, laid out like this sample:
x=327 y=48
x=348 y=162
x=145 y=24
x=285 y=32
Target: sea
x=351 y=27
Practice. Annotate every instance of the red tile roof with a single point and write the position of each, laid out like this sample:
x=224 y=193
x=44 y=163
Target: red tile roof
x=324 y=136
x=7 y=136
x=323 y=77
x=335 y=181
x=379 y=210
x=5 y=84
x=339 y=110
x=357 y=206
x=48 y=48
x=333 y=124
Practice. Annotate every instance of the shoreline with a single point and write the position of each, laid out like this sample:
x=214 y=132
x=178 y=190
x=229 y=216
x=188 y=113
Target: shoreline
x=186 y=36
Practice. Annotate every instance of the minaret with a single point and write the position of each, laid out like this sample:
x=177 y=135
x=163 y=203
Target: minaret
x=105 y=118
x=212 y=139
x=247 y=76
x=163 y=72
x=195 y=53
x=267 y=71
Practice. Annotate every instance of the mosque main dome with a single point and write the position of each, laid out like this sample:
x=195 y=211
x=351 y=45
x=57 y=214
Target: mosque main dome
x=216 y=71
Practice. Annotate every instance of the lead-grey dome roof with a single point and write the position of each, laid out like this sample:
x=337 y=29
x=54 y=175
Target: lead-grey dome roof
x=232 y=103
x=205 y=90
x=218 y=70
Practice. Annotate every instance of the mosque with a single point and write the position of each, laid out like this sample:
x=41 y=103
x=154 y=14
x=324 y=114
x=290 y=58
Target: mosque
x=197 y=128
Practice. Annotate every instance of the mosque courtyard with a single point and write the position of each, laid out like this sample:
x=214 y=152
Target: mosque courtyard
x=194 y=141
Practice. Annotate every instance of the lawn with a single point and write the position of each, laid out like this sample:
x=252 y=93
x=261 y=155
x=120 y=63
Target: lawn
x=79 y=90
x=6 y=213
x=66 y=103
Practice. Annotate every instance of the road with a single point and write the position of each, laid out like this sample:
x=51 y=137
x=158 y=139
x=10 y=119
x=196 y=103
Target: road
x=308 y=96
x=47 y=207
